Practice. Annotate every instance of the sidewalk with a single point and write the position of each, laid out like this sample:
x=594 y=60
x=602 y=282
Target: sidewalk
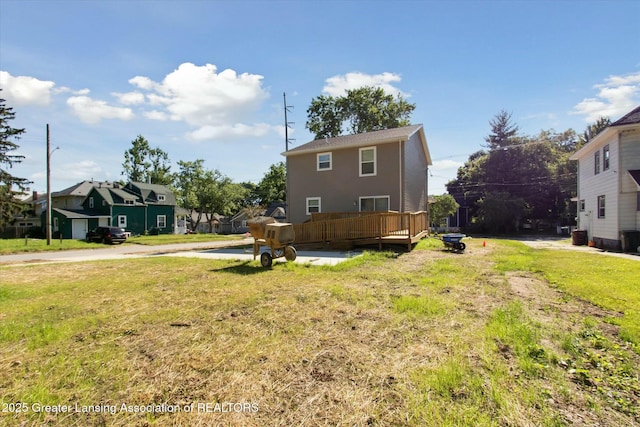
x=222 y=249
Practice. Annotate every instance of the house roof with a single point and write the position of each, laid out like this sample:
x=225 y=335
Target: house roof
x=362 y=140
x=635 y=174
x=82 y=189
x=628 y=121
x=78 y=214
x=147 y=189
x=630 y=118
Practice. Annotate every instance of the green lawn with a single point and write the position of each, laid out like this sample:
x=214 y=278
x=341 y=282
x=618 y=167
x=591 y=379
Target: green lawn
x=499 y=335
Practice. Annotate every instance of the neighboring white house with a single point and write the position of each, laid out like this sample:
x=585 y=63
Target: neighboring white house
x=609 y=183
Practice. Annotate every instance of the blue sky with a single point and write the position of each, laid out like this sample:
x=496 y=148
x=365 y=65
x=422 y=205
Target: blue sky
x=205 y=79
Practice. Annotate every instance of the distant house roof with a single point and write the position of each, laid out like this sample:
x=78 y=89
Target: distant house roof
x=362 y=140
x=629 y=118
x=628 y=121
x=75 y=214
x=150 y=192
x=81 y=189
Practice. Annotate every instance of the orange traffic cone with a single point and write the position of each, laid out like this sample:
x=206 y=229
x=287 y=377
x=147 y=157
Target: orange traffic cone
x=484 y=243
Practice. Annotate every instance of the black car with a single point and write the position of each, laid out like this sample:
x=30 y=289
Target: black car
x=109 y=235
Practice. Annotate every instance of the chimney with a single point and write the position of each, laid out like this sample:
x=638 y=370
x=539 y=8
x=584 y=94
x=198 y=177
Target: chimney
x=34 y=196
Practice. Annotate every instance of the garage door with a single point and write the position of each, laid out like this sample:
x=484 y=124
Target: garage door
x=79 y=229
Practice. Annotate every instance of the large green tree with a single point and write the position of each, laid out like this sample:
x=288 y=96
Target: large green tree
x=10 y=185
x=273 y=186
x=145 y=164
x=361 y=110
x=519 y=178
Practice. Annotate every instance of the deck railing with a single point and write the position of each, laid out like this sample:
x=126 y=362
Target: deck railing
x=338 y=226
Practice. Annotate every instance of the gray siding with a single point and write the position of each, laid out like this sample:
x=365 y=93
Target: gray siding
x=415 y=176
x=341 y=187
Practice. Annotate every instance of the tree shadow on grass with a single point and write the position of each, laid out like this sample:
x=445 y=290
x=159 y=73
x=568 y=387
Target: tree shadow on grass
x=244 y=268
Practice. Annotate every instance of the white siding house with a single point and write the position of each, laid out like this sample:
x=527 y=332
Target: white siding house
x=609 y=182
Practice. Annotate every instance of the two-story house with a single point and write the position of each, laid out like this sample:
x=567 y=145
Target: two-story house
x=383 y=170
x=609 y=183
x=136 y=207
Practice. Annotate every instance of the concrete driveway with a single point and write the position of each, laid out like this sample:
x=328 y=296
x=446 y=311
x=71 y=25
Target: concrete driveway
x=222 y=249
x=562 y=243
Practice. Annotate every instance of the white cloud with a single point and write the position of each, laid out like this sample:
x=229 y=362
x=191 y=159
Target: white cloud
x=92 y=111
x=338 y=85
x=129 y=98
x=237 y=130
x=156 y=115
x=25 y=90
x=217 y=104
x=616 y=97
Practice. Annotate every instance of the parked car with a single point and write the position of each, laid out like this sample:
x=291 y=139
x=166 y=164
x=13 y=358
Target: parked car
x=108 y=235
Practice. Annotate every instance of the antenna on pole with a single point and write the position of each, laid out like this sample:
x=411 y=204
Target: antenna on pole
x=287 y=124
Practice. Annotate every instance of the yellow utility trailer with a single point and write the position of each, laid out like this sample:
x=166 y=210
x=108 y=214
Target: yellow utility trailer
x=278 y=236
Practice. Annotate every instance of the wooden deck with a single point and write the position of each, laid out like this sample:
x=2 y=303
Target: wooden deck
x=363 y=228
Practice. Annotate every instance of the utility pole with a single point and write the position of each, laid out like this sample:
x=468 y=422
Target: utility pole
x=48 y=220
x=287 y=124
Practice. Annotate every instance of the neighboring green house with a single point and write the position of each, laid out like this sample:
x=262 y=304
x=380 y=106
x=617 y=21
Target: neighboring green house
x=137 y=207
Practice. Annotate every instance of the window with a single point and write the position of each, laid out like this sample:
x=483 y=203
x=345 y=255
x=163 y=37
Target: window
x=596 y=162
x=313 y=205
x=128 y=202
x=581 y=205
x=122 y=221
x=161 y=197
x=161 y=221
x=375 y=203
x=605 y=158
x=55 y=224
x=324 y=161
x=90 y=202
x=601 y=207
x=368 y=161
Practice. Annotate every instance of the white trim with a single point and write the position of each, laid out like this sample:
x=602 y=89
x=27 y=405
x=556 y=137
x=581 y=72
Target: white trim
x=375 y=161
x=318 y=168
x=158 y=218
x=122 y=221
x=319 y=199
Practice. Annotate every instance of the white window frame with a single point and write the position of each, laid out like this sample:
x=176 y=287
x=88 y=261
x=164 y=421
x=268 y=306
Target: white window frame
x=602 y=207
x=361 y=162
x=360 y=199
x=161 y=197
x=582 y=205
x=161 y=221
x=319 y=162
x=90 y=202
x=122 y=221
x=606 y=156
x=129 y=202
x=596 y=162
x=310 y=199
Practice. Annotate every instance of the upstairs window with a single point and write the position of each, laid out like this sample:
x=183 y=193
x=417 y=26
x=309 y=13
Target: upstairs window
x=596 y=162
x=582 y=205
x=324 y=162
x=90 y=202
x=128 y=202
x=161 y=197
x=368 y=161
x=605 y=158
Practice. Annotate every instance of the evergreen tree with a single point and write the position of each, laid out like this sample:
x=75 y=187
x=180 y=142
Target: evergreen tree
x=10 y=186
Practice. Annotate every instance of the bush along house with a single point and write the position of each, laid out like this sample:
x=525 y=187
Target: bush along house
x=137 y=207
